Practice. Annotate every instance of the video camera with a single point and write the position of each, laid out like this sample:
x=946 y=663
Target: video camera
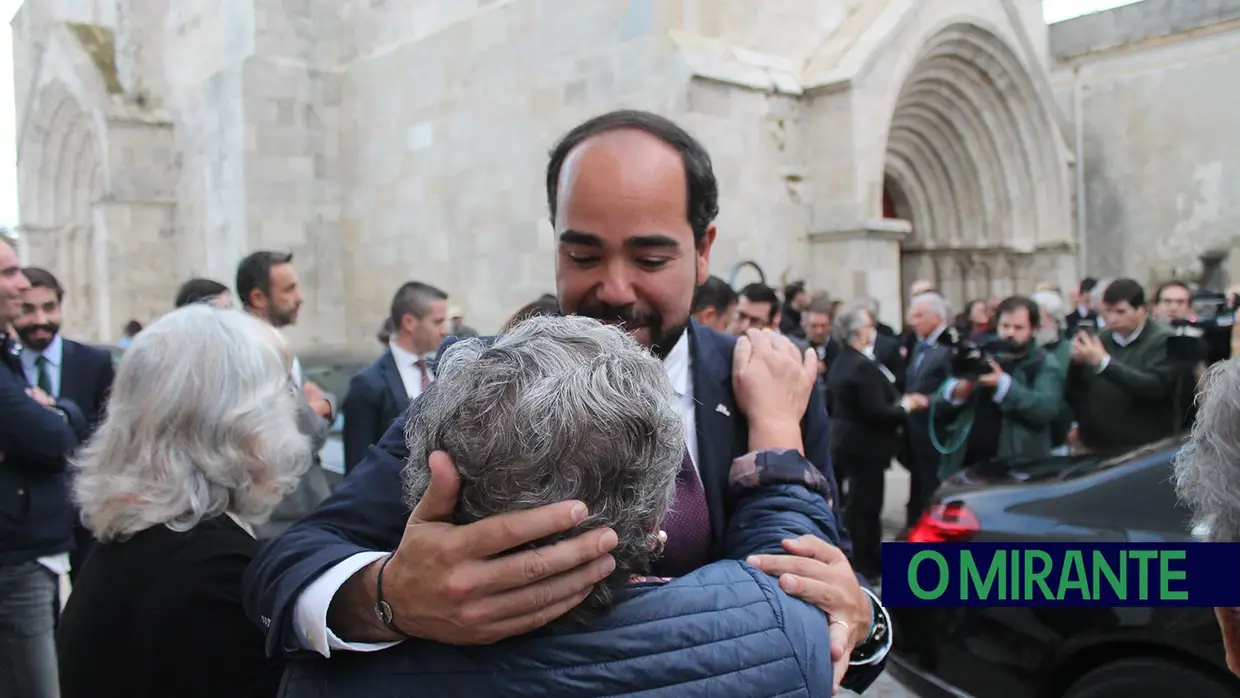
x=971 y=360
x=1206 y=333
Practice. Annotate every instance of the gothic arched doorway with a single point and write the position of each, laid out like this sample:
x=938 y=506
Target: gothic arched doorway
x=63 y=181
x=973 y=164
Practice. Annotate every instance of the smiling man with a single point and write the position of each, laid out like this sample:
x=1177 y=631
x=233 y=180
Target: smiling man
x=62 y=368
x=633 y=199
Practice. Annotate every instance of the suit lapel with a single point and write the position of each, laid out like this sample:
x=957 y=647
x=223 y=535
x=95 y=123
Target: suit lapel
x=70 y=376
x=714 y=410
x=395 y=385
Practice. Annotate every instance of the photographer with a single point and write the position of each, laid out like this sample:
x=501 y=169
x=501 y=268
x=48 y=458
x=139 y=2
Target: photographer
x=1122 y=381
x=1001 y=401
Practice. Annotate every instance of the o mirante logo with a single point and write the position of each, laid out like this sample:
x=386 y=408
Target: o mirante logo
x=1061 y=574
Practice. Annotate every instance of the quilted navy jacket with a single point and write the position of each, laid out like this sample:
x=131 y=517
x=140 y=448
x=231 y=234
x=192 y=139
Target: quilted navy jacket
x=724 y=630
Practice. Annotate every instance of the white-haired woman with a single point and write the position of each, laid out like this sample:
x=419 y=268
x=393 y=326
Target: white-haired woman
x=199 y=444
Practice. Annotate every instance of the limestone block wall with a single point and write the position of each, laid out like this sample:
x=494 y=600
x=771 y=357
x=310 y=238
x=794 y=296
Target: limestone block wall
x=1151 y=89
x=443 y=159
x=292 y=91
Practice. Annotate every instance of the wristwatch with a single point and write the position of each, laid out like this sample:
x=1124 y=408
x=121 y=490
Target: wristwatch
x=874 y=648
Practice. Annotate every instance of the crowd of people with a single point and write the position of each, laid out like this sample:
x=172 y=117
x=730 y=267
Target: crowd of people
x=533 y=513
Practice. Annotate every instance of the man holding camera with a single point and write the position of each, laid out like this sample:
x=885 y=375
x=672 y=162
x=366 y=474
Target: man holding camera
x=1005 y=412
x=1122 y=381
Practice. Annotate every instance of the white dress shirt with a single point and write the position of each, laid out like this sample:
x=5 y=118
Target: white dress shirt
x=310 y=610
x=55 y=354
x=407 y=366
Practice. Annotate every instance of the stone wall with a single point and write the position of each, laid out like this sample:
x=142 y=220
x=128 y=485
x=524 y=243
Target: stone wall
x=1150 y=87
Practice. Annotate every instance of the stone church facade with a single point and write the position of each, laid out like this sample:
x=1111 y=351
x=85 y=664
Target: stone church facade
x=860 y=144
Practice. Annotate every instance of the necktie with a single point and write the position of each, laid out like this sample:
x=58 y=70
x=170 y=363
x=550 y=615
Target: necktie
x=922 y=346
x=43 y=379
x=425 y=371
x=687 y=526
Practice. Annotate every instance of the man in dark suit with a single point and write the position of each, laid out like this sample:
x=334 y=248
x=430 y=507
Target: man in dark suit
x=37 y=431
x=929 y=364
x=62 y=368
x=379 y=393
x=618 y=187
x=1084 y=309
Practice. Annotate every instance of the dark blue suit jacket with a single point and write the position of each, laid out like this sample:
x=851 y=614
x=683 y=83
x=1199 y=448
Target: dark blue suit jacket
x=367 y=512
x=35 y=516
x=86 y=376
x=376 y=398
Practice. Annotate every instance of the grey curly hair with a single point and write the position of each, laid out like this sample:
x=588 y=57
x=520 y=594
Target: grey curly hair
x=202 y=420
x=559 y=408
x=1207 y=469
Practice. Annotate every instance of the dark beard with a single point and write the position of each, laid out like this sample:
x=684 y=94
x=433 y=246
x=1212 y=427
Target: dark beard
x=24 y=333
x=662 y=337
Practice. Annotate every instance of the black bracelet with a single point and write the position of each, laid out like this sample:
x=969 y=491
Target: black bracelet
x=382 y=610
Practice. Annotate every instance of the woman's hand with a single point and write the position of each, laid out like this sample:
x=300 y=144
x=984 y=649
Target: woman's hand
x=773 y=381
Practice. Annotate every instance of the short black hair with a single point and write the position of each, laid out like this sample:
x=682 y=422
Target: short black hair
x=701 y=187
x=1174 y=283
x=254 y=272
x=1124 y=291
x=545 y=305
x=761 y=293
x=198 y=290
x=1014 y=303
x=1087 y=284
x=42 y=278
x=414 y=298
x=713 y=293
x=133 y=327
x=792 y=289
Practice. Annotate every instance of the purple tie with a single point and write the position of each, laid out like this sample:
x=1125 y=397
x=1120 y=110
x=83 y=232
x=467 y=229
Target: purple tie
x=687 y=526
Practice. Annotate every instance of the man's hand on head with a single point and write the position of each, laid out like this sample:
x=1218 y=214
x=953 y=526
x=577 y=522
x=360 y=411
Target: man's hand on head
x=455 y=584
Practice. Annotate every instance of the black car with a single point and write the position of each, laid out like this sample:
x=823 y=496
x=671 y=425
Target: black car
x=1062 y=652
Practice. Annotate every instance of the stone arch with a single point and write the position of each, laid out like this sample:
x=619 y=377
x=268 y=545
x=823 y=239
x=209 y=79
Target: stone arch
x=64 y=177
x=973 y=152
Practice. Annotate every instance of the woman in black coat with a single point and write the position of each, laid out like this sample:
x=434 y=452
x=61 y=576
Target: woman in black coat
x=866 y=415
x=200 y=443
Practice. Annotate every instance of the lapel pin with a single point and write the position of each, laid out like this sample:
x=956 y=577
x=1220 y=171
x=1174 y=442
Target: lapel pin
x=723 y=410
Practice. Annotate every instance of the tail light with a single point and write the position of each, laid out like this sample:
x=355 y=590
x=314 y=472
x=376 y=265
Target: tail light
x=945 y=523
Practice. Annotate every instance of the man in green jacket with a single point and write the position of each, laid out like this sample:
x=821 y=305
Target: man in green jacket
x=1122 y=382
x=1006 y=414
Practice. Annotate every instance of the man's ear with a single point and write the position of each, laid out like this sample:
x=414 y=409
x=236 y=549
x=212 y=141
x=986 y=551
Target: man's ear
x=703 y=254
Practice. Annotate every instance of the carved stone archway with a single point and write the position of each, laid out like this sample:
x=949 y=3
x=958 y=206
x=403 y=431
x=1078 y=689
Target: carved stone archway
x=63 y=179
x=972 y=163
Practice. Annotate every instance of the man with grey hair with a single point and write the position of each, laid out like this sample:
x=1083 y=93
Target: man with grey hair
x=929 y=362
x=1207 y=477
x=566 y=408
x=622 y=181
x=381 y=391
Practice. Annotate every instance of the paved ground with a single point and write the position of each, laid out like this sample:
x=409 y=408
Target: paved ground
x=884 y=687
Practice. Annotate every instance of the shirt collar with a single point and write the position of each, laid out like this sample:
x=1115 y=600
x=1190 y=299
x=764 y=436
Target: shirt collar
x=934 y=336
x=676 y=365
x=245 y=525
x=404 y=357
x=1125 y=341
x=54 y=353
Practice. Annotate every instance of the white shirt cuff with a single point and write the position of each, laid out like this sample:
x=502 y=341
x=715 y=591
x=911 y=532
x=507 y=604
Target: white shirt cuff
x=948 y=389
x=310 y=611
x=1001 y=390
x=1106 y=361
